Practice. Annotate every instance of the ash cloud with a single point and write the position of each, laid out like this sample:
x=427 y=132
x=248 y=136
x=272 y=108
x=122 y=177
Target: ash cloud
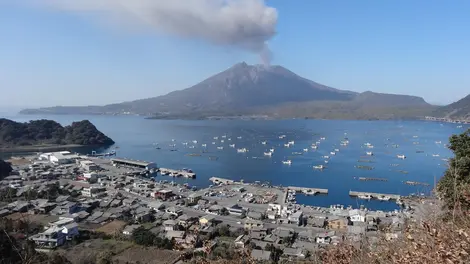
x=245 y=24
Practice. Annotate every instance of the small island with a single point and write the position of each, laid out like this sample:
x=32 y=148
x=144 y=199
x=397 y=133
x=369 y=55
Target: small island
x=48 y=135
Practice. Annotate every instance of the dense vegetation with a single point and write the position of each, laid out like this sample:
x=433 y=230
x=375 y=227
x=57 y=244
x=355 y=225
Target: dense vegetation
x=5 y=169
x=48 y=132
x=454 y=187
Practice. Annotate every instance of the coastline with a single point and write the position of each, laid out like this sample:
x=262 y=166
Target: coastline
x=40 y=148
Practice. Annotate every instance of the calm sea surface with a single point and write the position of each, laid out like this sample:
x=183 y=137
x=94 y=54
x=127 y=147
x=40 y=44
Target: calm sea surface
x=136 y=138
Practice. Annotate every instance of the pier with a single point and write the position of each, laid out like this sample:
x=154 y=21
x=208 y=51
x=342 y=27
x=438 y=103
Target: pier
x=374 y=195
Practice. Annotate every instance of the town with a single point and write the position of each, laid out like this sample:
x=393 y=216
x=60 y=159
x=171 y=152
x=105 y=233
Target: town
x=67 y=195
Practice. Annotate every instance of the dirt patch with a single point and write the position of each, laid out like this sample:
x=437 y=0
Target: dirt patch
x=32 y=218
x=112 y=227
x=87 y=251
x=147 y=255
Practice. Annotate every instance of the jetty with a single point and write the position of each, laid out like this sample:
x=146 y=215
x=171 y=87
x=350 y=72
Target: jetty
x=374 y=195
x=217 y=180
x=307 y=190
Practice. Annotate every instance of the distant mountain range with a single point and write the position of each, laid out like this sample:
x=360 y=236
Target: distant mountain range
x=456 y=110
x=256 y=90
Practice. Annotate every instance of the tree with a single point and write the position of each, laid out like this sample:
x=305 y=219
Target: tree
x=5 y=169
x=454 y=187
x=104 y=257
x=142 y=237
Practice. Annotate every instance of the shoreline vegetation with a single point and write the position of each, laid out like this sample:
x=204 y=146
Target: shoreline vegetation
x=42 y=135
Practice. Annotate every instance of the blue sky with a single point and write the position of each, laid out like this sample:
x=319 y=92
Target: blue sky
x=421 y=47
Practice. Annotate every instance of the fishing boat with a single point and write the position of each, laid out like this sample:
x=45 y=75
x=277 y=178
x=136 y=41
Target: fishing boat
x=369 y=153
x=326 y=157
x=291 y=142
x=287 y=162
x=263 y=142
x=216 y=138
x=314 y=146
x=271 y=150
x=268 y=154
x=435 y=155
x=336 y=150
x=332 y=153
x=232 y=145
x=323 y=138
x=172 y=145
x=305 y=149
x=220 y=147
x=195 y=141
x=204 y=145
x=326 y=161
x=191 y=147
x=222 y=141
x=318 y=167
x=185 y=143
x=383 y=198
x=364 y=196
x=401 y=156
x=438 y=142
x=213 y=143
x=287 y=145
x=282 y=136
x=242 y=150
x=239 y=137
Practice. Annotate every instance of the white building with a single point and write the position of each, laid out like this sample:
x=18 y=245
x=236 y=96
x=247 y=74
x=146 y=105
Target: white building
x=296 y=218
x=357 y=215
x=93 y=191
x=61 y=157
x=89 y=165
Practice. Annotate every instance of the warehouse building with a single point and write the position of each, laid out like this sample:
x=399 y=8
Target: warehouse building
x=134 y=163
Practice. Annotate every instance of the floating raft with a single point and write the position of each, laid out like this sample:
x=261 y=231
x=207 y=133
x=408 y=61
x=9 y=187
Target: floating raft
x=414 y=183
x=372 y=179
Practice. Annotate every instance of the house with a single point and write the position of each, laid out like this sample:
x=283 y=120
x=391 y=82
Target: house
x=157 y=206
x=318 y=222
x=295 y=253
x=253 y=215
x=175 y=235
x=295 y=218
x=94 y=191
x=282 y=232
x=216 y=209
x=261 y=255
x=306 y=236
x=128 y=230
x=169 y=225
x=357 y=229
x=250 y=224
x=338 y=223
x=70 y=230
x=357 y=215
x=89 y=165
x=51 y=238
x=206 y=220
x=236 y=210
x=143 y=217
x=174 y=211
x=193 y=198
x=271 y=215
x=185 y=220
x=241 y=241
x=324 y=237
x=163 y=194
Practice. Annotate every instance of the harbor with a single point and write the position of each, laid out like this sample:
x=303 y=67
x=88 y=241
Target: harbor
x=371 y=195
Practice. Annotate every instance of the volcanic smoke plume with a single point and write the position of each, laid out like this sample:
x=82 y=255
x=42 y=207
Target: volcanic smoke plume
x=245 y=24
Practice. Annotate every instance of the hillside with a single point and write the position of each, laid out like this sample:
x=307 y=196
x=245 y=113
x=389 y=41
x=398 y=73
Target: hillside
x=48 y=132
x=456 y=110
x=5 y=169
x=245 y=90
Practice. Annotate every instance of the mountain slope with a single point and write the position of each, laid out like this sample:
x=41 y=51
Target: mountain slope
x=48 y=132
x=456 y=110
x=244 y=90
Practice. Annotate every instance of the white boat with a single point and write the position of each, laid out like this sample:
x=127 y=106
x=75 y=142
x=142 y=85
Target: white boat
x=173 y=140
x=268 y=154
x=172 y=145
x=438 y=142
x=282 y=136
x=242 y=150
x=459 y=126
x=318 y=167
x=415 y=136
x=220 y=147
x=239 y=137
x=213 y=143
x=367 y=144
x=216 y=138
x=286 y=145
x=195 y=141
x=369 y=153
x=336 y=150
x=323 y=138
x=263 y=142
x=384 y=198
x=314 y=146
x=332 y=153
x=305 y=149
x=222 y=141
x=224 y=136
x=364 y=196
x=401 y=156
x=435 y=155
x=185 y=143
x=371 y=146
x=271 y=150
x=291 y=142
x=191 y=147
x=232 y=145
x=229 y=139
x=204 y=145
x=326 y=157
x=326 y=161
x=287 y=162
